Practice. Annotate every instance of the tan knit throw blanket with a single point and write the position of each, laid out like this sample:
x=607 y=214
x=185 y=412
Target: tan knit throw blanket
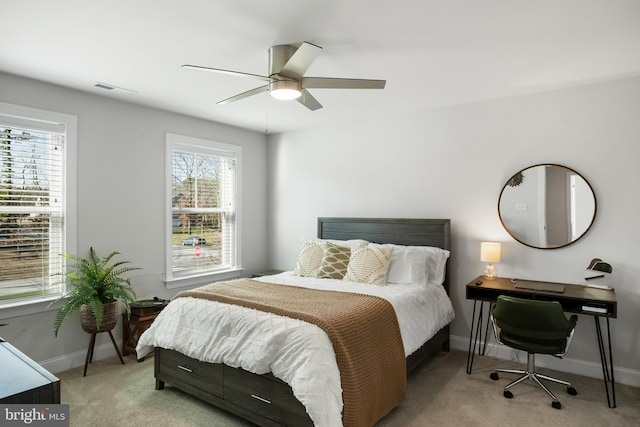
x=363 y=329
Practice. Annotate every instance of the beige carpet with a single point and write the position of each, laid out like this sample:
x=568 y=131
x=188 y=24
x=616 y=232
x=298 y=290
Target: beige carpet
x=440 y=394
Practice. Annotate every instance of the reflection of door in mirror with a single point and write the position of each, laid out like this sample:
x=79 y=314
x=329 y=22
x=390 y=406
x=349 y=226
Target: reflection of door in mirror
x=583 y=204
x=558 y=195
x=548 y=206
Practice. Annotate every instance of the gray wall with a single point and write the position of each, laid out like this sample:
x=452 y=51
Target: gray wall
x=452 y=163
x=121 y=188
x=444 y=163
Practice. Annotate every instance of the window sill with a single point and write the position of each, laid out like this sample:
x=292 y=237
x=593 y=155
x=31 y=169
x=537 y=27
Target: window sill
x=202 y=279
x=25 y=307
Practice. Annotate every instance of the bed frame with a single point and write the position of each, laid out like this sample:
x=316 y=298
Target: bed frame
x=266 y=400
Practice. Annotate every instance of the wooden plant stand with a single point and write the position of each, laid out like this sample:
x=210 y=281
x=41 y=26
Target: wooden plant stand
x=92 y=343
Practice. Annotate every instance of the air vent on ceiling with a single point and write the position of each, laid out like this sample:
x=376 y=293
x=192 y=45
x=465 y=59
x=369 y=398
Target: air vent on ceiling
x=104 y=86
x=107 y=86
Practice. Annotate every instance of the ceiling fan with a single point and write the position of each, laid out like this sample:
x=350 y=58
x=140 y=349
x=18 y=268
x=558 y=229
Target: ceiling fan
x=287 y=65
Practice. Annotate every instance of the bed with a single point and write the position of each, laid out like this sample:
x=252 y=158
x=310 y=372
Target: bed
x=291 y=380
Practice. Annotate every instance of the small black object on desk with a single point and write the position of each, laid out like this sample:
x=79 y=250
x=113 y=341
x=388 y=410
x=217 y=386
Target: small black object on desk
x=479 y=282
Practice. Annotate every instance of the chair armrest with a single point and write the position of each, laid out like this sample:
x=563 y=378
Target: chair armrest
x=573 y=320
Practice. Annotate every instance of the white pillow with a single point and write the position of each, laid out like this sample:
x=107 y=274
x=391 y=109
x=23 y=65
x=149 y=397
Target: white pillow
x=417 y=264
x=436 y=264
x=408 y=265
x=369 y=264
x=353 y=243
x=309 y=258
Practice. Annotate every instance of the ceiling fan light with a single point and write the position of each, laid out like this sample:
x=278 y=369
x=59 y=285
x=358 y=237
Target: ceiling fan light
x=285 y=89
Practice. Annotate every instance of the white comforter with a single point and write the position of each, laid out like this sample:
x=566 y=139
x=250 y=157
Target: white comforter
x=297 y=352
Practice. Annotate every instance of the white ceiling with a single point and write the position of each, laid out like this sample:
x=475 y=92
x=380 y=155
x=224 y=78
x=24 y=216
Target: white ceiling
x=432 y=53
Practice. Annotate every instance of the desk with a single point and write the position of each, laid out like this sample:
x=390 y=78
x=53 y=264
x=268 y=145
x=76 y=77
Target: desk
x=599 y=303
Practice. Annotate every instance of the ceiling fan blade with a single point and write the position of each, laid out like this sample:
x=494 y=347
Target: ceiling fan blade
x=228 y=72
x=309 y=101
x=244 y=95
x=301 y=60
x=333 y=83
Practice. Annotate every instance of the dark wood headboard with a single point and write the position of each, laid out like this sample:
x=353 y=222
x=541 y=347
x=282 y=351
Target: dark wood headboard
x=401 y=231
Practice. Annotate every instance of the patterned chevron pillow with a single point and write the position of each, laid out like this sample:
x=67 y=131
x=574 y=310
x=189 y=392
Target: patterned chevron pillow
x=334 y=262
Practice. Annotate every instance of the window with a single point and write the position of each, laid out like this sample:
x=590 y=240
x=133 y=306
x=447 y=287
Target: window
x=36 y=153
x=202 y=200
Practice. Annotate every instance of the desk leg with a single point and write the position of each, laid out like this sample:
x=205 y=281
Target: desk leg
x=486 y=331
x=477 y=342
x=607 y=373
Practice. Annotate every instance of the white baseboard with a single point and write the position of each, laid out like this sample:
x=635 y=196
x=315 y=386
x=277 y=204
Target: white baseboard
x=574 y=366
x=73 y=360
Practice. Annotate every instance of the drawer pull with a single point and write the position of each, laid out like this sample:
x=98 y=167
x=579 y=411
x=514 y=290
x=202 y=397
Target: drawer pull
x=262 y=399
x=184 y=368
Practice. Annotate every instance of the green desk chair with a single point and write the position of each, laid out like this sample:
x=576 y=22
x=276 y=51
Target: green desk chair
x=537 y=327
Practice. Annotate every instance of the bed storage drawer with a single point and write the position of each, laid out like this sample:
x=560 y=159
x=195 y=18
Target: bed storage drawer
x=265 y=395
x=177 y=367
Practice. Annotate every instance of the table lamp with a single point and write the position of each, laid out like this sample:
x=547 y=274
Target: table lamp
x=490 y=253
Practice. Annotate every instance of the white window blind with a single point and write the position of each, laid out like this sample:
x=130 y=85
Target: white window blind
x=203 y=192
x=31 y=207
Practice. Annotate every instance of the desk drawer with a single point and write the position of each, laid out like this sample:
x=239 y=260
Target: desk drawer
x=265 y=395
x=205 y=376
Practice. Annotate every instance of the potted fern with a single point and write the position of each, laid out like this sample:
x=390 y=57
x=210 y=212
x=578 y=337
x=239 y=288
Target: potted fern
x=96 y=286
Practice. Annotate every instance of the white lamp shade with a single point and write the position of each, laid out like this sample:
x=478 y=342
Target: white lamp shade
x=489 y=252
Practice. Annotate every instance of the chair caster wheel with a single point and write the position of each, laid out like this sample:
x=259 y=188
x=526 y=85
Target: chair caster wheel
x=507 y=394
x=494 y=376
x=556 y=404
x=572 y=391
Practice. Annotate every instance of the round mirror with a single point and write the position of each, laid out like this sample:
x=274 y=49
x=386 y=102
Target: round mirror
x=547 y=206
